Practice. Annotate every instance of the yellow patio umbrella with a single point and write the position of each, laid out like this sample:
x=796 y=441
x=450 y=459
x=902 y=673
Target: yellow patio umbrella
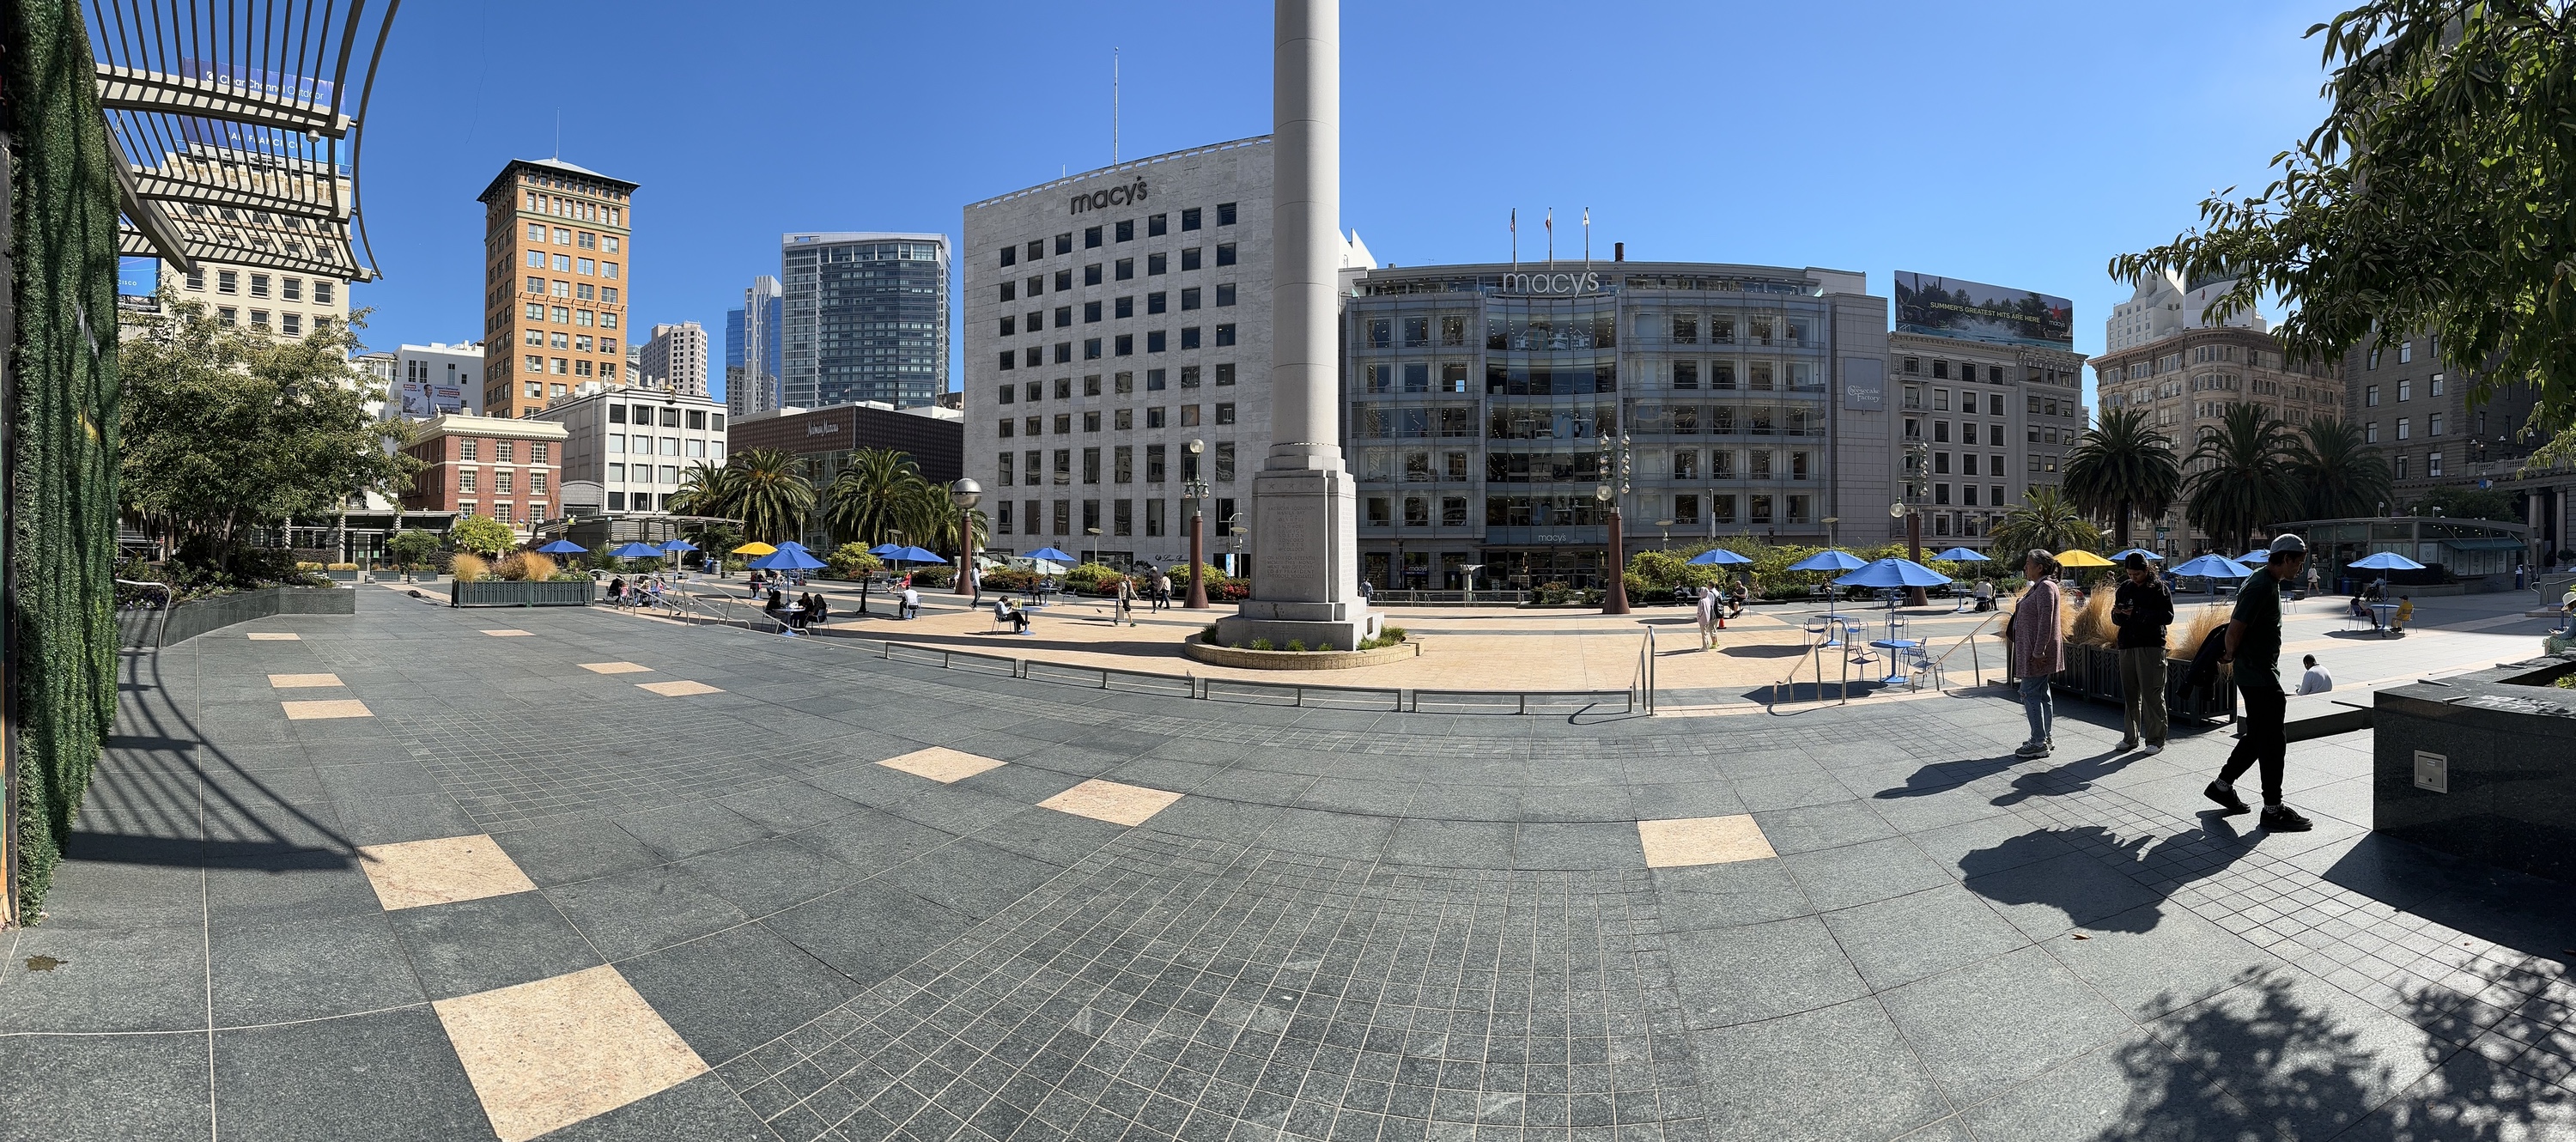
x=2082 y=558
x=755 y=548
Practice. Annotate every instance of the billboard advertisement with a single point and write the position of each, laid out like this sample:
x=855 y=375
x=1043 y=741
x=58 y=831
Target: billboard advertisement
x=424 y=400
x=1975 y=311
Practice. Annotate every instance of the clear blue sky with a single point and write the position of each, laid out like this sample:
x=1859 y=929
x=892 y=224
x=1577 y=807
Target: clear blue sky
x=2021 y=145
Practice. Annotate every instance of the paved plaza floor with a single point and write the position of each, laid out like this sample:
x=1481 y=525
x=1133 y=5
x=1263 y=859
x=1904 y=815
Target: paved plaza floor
x=425 y=873
x=1511 y=648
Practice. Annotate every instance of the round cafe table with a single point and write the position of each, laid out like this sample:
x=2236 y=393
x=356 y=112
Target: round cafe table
x=2386 y=612
x=1896 y=667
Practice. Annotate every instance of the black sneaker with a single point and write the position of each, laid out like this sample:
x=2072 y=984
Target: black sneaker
x=2284 y=819
x=2226 y=797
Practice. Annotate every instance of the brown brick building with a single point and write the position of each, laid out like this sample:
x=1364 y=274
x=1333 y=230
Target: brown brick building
x=511 y=470
x=557 y=250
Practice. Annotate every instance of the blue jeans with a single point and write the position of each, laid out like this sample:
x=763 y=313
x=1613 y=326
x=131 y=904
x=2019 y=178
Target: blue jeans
x=2036 y=704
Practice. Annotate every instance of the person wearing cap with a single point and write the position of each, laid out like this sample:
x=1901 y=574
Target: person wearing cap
x=2142 y=610
x=2254 y=648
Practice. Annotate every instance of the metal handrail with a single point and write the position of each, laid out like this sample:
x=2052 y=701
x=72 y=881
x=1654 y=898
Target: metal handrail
x=1977 y=660
x=1646 y=673
x=167 y=595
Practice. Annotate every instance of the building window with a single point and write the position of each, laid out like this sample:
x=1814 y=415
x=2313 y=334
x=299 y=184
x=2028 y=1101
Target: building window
x=1125 y=268
x=1225 y=413
x=1225 y=253
x=1189 y=258
x=2433 y=465
x=1126 y=345
x=1225 y=374
x=1091 y=238
x=1224 y=335
x=1153 y=341
x=1190 y=218
x=1225 y=293
x=1091 y=274
x=1225 y=214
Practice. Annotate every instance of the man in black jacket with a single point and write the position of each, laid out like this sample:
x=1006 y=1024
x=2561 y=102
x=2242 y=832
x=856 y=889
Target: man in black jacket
x=2142 y=610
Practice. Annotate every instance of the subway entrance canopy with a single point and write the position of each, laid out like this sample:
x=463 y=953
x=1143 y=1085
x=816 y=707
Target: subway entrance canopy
x=236 y=125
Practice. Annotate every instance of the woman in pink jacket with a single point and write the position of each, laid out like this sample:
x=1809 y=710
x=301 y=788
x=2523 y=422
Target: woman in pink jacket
x=2038 y=648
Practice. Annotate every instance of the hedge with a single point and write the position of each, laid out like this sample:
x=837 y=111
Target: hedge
x=61 y=488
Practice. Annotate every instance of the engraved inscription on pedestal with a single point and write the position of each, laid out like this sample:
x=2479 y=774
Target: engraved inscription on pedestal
x=1294 y=549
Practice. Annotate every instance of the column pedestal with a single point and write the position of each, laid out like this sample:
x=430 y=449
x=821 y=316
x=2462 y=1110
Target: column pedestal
x=1301 y=586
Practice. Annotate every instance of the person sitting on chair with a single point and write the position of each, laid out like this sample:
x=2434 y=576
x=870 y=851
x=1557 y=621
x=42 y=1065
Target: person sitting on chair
x=2405 y=613
x=1006 y=611
x=776 y=609
x=816 y=610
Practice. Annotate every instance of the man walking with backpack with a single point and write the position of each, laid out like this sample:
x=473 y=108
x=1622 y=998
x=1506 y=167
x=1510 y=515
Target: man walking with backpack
x=2142 y=610
x=2254 y=648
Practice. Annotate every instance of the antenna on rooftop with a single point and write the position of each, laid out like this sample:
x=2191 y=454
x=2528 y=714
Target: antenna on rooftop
x=558 y=134
x=1113 y=107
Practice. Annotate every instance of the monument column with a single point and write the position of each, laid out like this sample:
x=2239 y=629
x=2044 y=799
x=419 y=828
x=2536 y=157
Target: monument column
x=1305 y=586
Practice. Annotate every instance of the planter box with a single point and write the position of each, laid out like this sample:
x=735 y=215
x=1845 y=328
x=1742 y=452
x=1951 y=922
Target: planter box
x=502 y=593
x=2482 y=766
x=196 y=617
x=1204 y=651
x=2093 y=672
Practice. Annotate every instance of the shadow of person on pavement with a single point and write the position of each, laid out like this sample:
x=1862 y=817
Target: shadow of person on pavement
x=2073 y=777
x=1946 y=775
x=2098 y=878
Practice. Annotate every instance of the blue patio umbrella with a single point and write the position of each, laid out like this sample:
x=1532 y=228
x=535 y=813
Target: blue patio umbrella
x=1829 y=559
x=1717 y=557
x=2257 y=556
x=2214 y=567
x=916 y=555
x=786 y=560
x=638 y=551
x=885 y=549
x=2385 y=561
x=1893 y=572
x=2123 y=556
x=1962 y=555
x=678 y=545
x=563 y=547
x=1051 y=555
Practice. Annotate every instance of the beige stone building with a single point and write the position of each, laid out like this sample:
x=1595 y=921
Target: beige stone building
x=2186 y=379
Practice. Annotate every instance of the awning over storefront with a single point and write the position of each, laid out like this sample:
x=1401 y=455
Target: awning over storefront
x=234 y=121
x=2495 y=543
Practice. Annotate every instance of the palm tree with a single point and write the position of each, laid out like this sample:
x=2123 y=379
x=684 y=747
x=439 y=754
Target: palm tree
x=706 y=489
x=2123 y=465
x=2241 y=478
x=2044 y=519
x=769 y=495
x=2340 y=476
x=867 y=496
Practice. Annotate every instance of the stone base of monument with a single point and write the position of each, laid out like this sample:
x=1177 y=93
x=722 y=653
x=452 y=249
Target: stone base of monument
x=1215 y=655
x=1283 y=623
x=2482 y=765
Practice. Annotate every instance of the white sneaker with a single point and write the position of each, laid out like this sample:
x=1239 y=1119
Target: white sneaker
x=2151 y=750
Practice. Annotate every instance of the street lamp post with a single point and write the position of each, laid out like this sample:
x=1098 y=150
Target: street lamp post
x=1915 y=455
x=964 y=493
x=1614 y=601
x=1196 y=492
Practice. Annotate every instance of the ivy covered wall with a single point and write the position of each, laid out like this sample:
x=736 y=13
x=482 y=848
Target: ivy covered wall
x=61 y=494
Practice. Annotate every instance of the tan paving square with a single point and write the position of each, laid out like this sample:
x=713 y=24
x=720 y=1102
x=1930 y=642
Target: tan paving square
x=1112 y=802
x=331 y=708
x=1702 y=840
x=678 y=689
x=297 y=681
x=615 y=668
x=510 y=632
x=548 y=1054
x=441 y=871
x=942 y=765
x=274 y=636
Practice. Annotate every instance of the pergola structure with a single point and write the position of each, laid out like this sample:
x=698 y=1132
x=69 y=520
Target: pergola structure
x=237 y=127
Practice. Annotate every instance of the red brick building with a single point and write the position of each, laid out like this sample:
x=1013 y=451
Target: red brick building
x=508 y=469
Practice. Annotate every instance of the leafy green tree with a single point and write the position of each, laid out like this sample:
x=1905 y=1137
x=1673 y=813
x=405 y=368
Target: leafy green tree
x=2436 y=195
x=411 y=547
x=2046 y=519
x=2339 y=476
x=483 y=535
x=2467 y=503
x=869 y=497
x=2124 y=464
x=221 y=430
x=2241 y=478
x=770 y=496
x=852 y=561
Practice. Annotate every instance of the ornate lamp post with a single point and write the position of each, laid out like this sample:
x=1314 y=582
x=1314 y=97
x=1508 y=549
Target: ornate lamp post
x=964 y=493
x=1196 y=492
x=1910 y=508
x=1615 y=600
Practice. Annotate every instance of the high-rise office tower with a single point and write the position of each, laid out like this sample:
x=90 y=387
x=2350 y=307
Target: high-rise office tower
x=864 y=318
x=751 y=350
x=675 y=360
x=555 y=260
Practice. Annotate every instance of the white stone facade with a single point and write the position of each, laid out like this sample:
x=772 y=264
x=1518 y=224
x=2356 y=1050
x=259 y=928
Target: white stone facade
x=1132 y=305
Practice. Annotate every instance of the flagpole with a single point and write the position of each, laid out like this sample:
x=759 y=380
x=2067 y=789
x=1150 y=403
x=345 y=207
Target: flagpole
x=1551 y=239
x=1587 y=239
x=1516 y=239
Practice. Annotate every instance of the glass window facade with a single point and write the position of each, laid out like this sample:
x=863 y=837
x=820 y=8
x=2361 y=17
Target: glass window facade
x=863 y=317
